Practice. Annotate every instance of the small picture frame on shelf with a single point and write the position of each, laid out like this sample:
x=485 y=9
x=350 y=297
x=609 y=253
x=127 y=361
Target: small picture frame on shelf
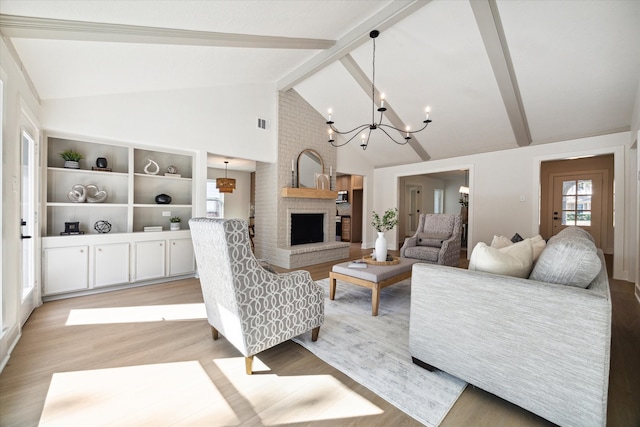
x=71 y=228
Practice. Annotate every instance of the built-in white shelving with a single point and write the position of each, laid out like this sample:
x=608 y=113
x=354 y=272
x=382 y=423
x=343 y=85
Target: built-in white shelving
x=84 y=263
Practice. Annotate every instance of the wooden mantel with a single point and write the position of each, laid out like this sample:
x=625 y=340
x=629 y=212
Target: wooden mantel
x=309 y=193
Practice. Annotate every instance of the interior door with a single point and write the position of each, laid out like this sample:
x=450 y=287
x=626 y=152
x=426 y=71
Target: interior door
x=28 y=225
x=578 y=200
x=414 y=201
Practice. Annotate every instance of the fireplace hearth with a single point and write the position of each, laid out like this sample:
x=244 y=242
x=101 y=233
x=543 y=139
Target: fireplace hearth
x=307 y=228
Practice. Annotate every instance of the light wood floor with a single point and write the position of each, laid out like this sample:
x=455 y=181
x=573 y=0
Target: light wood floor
x=52 y=346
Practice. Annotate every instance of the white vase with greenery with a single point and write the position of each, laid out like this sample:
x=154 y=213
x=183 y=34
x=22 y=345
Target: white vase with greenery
x=382 y=225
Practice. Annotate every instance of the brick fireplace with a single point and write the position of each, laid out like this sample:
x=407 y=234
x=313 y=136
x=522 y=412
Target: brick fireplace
x=300 y=127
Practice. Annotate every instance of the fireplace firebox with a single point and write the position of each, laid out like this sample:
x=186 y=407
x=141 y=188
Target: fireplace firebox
x=307 y=228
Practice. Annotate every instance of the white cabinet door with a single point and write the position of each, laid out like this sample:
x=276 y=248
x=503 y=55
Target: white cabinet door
x=150 y=260
x=66 y=269
x=181 y=259
x=111 y=264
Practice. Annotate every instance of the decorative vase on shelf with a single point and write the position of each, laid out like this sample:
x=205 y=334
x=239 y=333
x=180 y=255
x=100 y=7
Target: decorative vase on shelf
x=381 y=247
x=174 y=226
x=101 y=162
x=163 y=199
x=70 y=164
x=151 y=168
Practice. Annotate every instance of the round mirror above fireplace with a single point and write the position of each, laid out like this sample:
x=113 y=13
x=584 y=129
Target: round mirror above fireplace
x=309 y=165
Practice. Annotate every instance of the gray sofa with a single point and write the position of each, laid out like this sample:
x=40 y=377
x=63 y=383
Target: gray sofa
x=542 y=346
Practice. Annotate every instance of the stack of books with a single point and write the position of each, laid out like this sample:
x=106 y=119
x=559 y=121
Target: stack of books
x=358 y=263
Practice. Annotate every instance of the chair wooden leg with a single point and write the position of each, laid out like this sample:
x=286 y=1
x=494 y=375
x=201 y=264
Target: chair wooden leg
x=214 y=333
x=314 y=333
x=248 y=363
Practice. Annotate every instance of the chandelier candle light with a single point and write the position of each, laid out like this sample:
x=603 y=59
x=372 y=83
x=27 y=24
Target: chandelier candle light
x=373 y=125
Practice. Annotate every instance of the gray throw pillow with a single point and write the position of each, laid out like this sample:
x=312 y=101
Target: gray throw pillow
x=433 y=240
x=568 y=260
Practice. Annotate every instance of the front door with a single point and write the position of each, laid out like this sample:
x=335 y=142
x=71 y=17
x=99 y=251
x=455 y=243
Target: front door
x=28 y=225
x=578 y=200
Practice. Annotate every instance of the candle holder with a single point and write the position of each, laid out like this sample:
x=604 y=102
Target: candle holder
x=293 y=181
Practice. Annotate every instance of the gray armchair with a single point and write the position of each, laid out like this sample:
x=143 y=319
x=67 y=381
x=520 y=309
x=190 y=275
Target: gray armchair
x=437 y=240
x=252 y=307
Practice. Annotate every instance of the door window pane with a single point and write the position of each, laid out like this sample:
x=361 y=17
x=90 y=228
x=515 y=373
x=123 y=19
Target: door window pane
x=576 y=202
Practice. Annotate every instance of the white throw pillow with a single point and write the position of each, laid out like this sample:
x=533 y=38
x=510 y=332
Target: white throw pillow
x=538 y=244
x=501 y=242
x=515 y=260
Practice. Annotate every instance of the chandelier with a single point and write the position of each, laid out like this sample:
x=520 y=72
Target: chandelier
x=373 y=125
x=225 y=185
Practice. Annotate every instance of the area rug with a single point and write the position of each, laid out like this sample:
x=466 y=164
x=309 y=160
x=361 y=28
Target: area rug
x=374 y=351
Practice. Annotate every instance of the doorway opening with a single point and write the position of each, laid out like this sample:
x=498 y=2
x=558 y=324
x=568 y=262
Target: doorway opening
x=437 y=192
x=579 y=192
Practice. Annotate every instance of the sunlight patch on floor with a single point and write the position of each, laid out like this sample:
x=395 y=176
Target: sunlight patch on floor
x=294 y=399
x=136 y=314
x=150 y=395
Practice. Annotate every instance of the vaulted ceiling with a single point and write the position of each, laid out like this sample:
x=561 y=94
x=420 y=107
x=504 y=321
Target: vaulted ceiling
x=497 y=74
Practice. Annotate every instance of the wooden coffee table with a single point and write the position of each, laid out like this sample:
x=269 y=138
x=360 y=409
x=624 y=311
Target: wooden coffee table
x=374 y=277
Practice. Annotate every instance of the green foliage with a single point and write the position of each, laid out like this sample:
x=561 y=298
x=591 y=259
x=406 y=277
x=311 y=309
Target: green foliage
x=388 y=221
x=175 y=219
x=71 y=155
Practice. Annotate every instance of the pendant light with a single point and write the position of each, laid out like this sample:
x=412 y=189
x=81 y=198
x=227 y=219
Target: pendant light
x=225 y=185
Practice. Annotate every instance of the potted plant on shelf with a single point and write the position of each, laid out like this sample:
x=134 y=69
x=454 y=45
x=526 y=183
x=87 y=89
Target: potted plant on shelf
x=382 y=225
x=175 y=223
x=71 y=158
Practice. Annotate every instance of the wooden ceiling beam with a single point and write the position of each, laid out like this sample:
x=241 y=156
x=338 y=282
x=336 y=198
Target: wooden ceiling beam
x=60 y=29
x=495 y=43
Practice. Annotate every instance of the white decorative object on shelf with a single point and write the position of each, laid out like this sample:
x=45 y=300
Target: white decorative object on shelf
x=95 y=195
x=78 y=194
x=147 y=169
x=322 y=181
x=86 y=193
x=153 y=228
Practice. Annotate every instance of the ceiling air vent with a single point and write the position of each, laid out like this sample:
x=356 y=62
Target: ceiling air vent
x=263 y=123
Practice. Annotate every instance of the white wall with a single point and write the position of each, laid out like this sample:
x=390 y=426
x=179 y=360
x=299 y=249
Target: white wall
x=452 y=195
x=497 y=181
x=220 y=120
x=236 y=204
x=16 y=96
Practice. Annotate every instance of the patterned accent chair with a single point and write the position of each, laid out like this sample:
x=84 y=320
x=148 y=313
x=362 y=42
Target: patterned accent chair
x=252 y=307
x=437 y=240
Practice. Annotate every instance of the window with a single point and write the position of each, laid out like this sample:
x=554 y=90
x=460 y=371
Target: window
x=215 y=200
x=438 y=201
x=576 y=202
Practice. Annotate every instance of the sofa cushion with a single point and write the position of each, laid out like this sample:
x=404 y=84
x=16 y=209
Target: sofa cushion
x=424 y=253
x=514 y=260
x=433 y=240
x=570 y=259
